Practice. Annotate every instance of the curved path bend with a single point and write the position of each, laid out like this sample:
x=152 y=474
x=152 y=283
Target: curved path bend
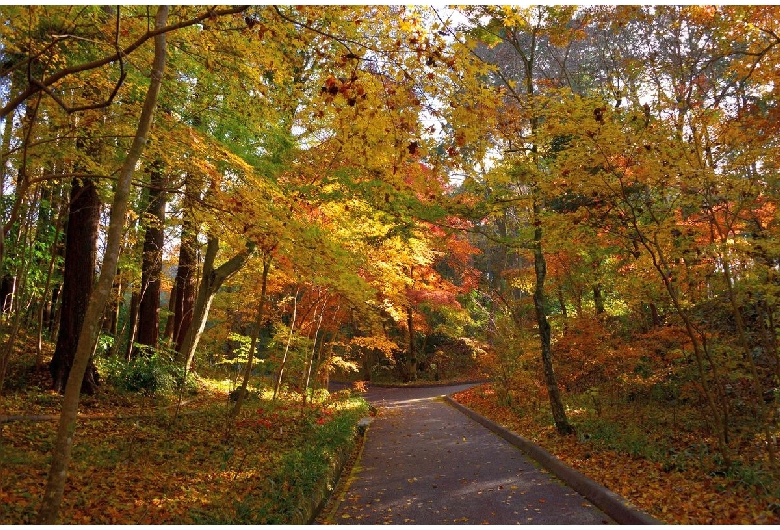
x=425 y=462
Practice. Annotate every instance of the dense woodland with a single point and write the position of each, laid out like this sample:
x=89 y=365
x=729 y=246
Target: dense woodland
x=578 y=203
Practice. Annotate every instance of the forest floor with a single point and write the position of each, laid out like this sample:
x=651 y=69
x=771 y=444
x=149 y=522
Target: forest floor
x=146 y=460
x=669 y=477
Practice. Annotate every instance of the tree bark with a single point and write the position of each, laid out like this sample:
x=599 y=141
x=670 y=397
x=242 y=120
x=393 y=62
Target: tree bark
x=283 y=364
x=151 y=266
x=63 y=445
x=307 y=370
x=210 y=283
x=79 y=276
x=184 y=303
x=540 y=268
x=255 y=335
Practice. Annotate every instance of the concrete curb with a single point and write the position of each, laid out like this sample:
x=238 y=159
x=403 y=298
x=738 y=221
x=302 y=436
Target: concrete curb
x=607 y=501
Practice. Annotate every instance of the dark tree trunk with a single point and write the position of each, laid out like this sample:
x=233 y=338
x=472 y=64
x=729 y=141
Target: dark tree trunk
x=655 y=318
x=79 y=277
x=168 y=333
x=111 y=316
x=151 y=267
x=184 y=303
x=7 y=290
x=540 y=268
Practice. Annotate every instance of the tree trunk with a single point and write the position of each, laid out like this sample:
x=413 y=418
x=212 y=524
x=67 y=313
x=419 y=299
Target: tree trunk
x=168 y=333
x=80 y=258
x=280 y=375
x=132 y=323
x=307 y=370
x=184 y=303
x=540 y=268
x=151 y=267
x=42 y=310
x=58 y=472
x=255 y=335
x=111 y=315
x=598 y=299
x=411 y=367
x=210 y=283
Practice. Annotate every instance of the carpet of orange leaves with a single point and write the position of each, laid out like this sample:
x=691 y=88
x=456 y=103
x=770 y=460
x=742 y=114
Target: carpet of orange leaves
x=676 y=497
x=149 y=465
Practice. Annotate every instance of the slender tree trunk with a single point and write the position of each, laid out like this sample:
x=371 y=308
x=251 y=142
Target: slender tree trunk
x=132 y=323
x=412 y=362
x=185 y=274
x=255 y=335
x=58 y=472
x=763 y=413
x=111 y=316
x=540 y=269
x=45 y=295
x=562 y=303
x=718 y=414
x=168 y=333
x=210 y=283
x=310 y=361
x=283 y=364
x=151 y=267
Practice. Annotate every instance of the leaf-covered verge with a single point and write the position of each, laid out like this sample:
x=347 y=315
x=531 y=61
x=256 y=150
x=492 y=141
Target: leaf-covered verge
x=145 y=460
x=667 y=473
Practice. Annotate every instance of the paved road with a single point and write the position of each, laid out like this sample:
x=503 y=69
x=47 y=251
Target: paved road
x=424 y=462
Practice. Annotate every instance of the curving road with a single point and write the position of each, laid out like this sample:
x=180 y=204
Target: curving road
x=424 y=462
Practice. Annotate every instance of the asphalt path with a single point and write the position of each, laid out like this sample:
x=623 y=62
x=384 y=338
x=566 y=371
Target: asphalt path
x=425 y=462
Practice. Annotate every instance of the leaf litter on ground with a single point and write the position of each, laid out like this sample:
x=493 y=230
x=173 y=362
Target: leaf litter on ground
x=136 y=461
x=690 y=495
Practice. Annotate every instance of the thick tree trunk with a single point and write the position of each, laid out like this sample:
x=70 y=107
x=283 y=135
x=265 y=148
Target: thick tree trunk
x=151 y=266
x=79 y=276
x=58 y=472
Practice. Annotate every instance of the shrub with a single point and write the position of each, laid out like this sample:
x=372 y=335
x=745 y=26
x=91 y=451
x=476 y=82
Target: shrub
x=147 y=374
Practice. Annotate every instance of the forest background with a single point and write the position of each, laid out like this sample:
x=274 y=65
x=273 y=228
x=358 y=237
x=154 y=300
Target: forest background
x=579 y=203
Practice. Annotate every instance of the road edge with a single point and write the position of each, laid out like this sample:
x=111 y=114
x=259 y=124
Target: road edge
x=606 y=500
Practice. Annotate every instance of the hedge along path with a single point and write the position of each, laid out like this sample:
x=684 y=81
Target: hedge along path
x=424 y=462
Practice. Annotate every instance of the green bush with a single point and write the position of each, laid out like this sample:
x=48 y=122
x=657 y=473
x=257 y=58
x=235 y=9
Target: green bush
x=156 y=373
